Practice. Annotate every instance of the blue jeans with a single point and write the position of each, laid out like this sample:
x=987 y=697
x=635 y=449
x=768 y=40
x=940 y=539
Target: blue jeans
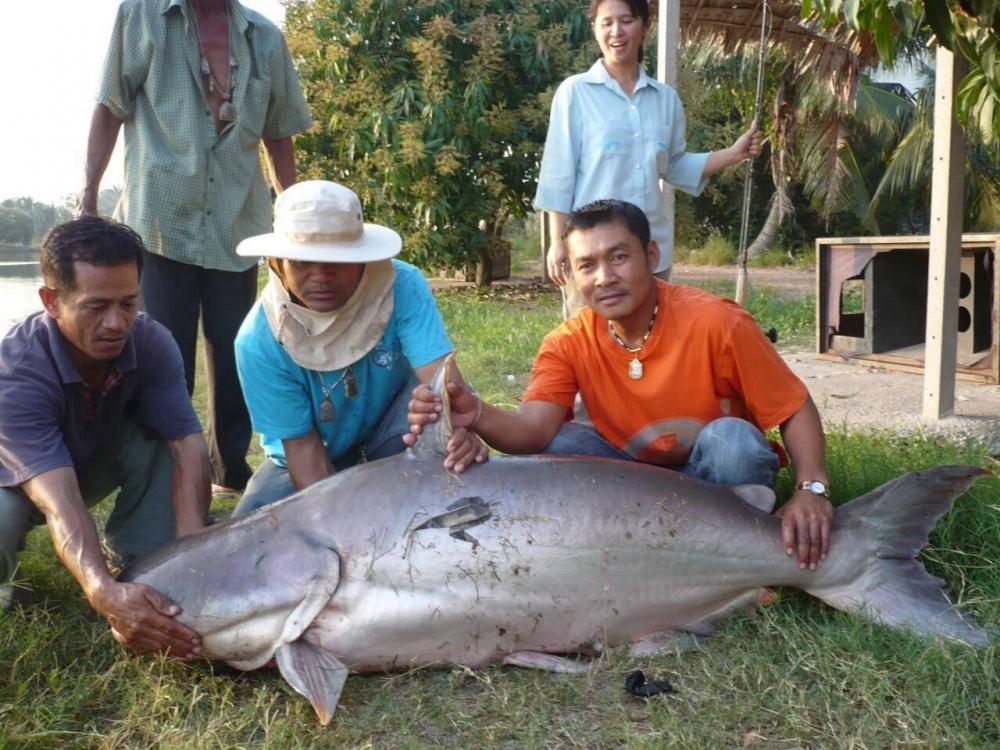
x=726 y=451
x=272 y=482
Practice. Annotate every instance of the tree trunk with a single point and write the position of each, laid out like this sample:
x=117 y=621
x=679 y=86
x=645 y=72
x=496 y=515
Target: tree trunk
x=484 y=267
x=769 y=232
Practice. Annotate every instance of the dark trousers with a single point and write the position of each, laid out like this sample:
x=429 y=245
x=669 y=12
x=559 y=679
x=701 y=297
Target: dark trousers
x=175 y=294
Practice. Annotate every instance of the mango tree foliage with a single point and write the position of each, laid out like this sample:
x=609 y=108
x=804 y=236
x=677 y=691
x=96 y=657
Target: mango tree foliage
x=434 y=112
x=970 y=28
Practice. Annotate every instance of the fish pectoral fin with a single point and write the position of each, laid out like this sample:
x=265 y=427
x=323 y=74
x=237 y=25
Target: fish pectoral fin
x=316 y=596
x=546 y=662
x=315 y=673
x=670 y=642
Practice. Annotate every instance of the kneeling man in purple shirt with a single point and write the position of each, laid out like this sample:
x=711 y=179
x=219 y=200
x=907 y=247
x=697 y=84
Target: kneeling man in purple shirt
x=92 y=400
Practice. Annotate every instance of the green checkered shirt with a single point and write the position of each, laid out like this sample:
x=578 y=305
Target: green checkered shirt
x=191 y=193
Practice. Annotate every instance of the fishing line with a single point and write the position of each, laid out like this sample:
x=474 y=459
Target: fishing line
x=741 y=276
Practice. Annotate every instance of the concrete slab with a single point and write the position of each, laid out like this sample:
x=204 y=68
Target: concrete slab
x=860 y=397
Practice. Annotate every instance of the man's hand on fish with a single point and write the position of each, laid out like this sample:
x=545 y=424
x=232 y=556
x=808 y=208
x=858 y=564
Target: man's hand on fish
x=805 y=528
x=143 y=619
x=464 y=447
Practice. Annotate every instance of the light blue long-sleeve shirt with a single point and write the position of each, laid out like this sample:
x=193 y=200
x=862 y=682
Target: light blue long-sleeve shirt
x=604 y=144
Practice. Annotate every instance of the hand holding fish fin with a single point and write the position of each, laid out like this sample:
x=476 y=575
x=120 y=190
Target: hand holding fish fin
x=444 y=411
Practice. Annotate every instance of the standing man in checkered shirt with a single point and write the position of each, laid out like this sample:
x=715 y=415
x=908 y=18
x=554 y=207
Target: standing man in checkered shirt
x=198 y=85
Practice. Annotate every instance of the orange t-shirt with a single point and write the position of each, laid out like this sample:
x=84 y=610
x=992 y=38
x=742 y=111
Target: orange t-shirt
x=705 y=358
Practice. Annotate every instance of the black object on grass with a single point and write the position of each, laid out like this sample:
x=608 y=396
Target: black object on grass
x=636 y=685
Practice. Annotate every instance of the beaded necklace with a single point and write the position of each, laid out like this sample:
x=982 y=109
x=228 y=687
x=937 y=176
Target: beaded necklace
x=635 y=366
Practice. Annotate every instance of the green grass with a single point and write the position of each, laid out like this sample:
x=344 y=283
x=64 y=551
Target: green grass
x=717 y=250
x=793 y=317
x=779 y=256
x=525 y=246
x=496 y=333
x=793 y=675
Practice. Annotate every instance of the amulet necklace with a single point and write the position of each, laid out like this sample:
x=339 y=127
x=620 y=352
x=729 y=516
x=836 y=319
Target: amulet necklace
x=227 y=112
x=326 y=411
x=635 y=366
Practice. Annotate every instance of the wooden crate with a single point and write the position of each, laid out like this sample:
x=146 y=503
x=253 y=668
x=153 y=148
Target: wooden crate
x=871 y=303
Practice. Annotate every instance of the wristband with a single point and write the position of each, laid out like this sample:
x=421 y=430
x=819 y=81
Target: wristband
x=479 y=411
x=479 y=405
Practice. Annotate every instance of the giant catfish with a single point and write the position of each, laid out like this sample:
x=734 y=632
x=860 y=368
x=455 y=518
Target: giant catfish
x=399 y=563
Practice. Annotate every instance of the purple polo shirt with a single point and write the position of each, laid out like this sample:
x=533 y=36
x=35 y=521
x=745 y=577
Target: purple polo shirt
x=43 y=421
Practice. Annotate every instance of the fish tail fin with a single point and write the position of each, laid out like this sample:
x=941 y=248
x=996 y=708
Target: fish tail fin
x=894 y=522
x=435 y=436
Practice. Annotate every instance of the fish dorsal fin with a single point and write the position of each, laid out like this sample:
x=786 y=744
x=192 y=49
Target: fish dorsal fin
x=435 y=436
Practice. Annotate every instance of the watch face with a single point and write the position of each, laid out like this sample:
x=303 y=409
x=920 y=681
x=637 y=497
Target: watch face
x=817 y=488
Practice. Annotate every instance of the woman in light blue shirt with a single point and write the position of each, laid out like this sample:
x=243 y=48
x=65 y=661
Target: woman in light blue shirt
x=614 y=132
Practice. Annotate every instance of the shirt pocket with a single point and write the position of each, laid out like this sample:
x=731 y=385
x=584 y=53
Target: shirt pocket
x=611 y=142
x=255 y=103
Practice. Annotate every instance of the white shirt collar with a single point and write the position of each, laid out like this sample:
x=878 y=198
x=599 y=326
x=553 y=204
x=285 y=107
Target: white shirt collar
x=599 y=74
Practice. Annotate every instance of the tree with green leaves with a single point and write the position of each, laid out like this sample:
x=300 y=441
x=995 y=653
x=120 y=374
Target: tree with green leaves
x=434 y=112
x=859 y=164
x=907 y=173
x=970 y=28
x=16 y=226
x=825 y=152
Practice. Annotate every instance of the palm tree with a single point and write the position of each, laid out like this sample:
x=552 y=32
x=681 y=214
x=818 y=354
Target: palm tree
x=830 y=147
x=908 y=168
x=867 y=156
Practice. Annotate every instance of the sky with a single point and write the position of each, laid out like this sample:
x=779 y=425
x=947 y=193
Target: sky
x=51 y=53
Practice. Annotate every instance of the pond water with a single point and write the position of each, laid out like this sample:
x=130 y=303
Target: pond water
x=19 y=282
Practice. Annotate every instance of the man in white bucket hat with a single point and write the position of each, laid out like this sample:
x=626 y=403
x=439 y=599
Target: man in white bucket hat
x=339 y=337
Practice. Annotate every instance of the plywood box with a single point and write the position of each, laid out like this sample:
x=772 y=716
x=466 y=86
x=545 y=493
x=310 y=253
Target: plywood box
x=871 y=302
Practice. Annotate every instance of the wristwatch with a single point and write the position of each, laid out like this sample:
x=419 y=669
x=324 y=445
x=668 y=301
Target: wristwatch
x=814 y=486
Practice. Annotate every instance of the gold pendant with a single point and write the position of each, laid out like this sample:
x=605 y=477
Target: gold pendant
x=635 y=369
x=227 y=112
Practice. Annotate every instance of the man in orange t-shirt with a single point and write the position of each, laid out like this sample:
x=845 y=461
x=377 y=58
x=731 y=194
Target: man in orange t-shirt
x=670 y=375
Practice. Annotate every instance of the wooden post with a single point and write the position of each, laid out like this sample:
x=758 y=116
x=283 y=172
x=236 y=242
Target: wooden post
x=667 y=43
x=947 y=208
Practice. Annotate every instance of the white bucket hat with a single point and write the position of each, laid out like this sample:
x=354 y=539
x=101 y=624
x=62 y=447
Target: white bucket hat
x=321 y=221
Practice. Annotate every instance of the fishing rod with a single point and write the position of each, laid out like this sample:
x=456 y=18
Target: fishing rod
x=741 y=276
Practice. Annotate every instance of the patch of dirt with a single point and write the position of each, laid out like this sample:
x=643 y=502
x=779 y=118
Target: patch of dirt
x=794 y=281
